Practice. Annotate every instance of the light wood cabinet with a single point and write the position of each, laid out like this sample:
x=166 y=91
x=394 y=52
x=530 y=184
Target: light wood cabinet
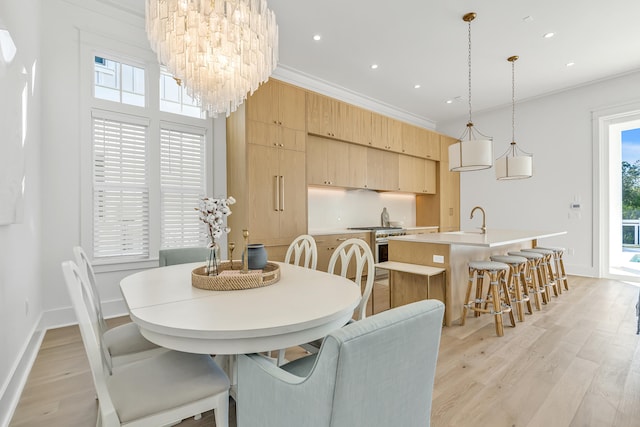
x=442 y=208
x=327 y=162
x=420 y=142
x=325 y=117
x=358 y=126
x=266 y=169
x=278 y=104
x=386 y=133
x=327 y=244
x=382 y=170
x=417 y=175
x=271 y=135
x=357 y=166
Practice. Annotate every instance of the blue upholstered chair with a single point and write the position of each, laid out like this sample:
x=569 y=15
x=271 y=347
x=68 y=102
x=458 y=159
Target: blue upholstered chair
x=182 y=255
x=375 y=372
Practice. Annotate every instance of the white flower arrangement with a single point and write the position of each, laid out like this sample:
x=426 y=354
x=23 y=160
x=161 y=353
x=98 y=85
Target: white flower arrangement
x=212 y=212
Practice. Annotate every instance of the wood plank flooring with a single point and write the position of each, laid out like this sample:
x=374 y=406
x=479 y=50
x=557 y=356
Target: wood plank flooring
x=575 y=363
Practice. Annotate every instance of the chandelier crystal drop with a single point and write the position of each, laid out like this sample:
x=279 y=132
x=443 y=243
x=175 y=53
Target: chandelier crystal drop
x=221 y=50
x=514 y=163
x=476 y=152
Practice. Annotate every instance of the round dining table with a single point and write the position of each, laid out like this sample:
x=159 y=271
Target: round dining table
x=304 y=305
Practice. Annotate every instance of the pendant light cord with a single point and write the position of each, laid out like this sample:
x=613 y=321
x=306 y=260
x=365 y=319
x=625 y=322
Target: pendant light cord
x=513 y=101
x=469 y=64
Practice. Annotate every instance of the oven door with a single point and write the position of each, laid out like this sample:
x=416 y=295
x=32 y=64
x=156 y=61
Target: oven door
x=381 y=251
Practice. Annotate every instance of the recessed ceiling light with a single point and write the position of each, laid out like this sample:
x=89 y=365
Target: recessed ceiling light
x=374 y=66
x=449 y=101
x=570 y=64
x=416 y=86
x=548 y=35
x=317 y=37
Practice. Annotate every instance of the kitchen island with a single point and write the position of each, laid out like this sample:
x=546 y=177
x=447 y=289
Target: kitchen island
x=452 y=251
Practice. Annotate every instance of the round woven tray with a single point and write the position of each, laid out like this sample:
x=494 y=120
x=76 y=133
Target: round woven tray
x=229 y=279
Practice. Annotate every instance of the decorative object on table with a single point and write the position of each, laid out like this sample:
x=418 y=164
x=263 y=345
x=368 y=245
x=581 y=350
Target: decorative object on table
x=477 y=152
x=220 y=50
x=384 y=218
x=232 y=246
x=514 y=163
x=231 y=278
x=256 y=256
x=245 y=264
x=212 y=213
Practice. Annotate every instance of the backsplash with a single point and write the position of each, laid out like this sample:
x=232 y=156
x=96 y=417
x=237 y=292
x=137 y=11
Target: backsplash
x=332 y=208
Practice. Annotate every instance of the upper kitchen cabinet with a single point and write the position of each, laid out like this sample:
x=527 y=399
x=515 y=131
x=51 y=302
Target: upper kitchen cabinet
x=278 y=104
x=327 y=162
x=420 y=142
x=382 y=170
x=386 y=133
x=330 y=118
x=442 y=208
x=275 y=136
x=417 y=175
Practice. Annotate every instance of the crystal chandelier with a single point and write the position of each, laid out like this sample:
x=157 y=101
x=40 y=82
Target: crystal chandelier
x=477 y=152
x=514 y=163
x=221 y=50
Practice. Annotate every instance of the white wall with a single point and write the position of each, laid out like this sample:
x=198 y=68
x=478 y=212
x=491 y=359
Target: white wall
x=21 y=243
x=557 y=129
x=331 y=209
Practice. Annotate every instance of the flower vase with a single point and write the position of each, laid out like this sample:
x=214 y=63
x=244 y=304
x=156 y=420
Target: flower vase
x=213 y=263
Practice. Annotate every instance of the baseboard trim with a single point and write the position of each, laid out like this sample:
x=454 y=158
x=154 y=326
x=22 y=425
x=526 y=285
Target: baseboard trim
x=13 y=389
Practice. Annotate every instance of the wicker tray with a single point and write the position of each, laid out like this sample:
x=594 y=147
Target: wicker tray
x=229 y=279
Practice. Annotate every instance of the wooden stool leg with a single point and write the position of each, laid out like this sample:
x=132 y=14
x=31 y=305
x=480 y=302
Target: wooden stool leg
x=563 y=272
x=497 y=308
x=525 y=287
x=512 y=280
x=529 y=279
x=465 y=306
x=480 y=294
x=507 y=301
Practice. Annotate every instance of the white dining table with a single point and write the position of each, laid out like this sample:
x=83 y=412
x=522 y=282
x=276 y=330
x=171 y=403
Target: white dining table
x=304 y=305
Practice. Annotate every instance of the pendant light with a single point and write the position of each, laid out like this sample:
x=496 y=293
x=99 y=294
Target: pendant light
x=514 y=163
x=476 y=152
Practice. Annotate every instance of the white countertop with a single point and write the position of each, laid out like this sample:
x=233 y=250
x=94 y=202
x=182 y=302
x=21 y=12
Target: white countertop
x=491 y=239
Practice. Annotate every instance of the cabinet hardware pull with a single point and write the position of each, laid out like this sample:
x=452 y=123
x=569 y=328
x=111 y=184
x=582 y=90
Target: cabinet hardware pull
x=281 y=193
x=341 y=239
x=276 y=193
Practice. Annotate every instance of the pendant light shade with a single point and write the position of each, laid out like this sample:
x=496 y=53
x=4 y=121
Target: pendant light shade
x=514 y=163
x=473 y=151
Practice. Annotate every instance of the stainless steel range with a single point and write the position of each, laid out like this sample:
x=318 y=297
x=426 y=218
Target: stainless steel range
x=379 y=242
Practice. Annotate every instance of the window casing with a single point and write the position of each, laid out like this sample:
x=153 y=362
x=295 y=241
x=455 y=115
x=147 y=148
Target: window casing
x=147 y=167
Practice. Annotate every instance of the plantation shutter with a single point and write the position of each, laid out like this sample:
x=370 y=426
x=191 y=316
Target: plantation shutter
x=182 y=184
x=120 y=187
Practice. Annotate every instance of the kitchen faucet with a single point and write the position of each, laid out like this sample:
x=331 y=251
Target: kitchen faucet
x=484 y=215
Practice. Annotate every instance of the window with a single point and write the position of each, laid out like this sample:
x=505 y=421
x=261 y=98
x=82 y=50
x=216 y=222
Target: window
x=118 y=82
x=174 y=98
x=182 y=172
x=149 y=165
x=120 y=188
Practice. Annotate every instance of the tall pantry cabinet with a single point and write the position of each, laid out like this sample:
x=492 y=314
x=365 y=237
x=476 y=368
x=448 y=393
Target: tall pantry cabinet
x=266 y=173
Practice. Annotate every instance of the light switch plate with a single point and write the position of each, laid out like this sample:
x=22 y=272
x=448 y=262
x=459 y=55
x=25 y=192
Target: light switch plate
x=439 y=259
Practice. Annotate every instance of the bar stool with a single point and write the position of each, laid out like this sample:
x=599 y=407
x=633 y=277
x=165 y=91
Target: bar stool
x=516 y=282
x=533 y=276
x=561 y=274
x=547 y=271
x=499 y=301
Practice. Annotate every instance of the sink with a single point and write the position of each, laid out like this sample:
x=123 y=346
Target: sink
x=462 y=233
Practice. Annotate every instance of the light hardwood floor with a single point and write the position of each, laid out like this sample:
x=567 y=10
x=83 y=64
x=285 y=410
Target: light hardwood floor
x=576 y=363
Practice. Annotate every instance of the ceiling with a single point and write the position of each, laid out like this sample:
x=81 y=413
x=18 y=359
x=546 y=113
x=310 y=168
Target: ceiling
x=425 y=42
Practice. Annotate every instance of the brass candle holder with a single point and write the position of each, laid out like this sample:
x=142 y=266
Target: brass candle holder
x=245 y=254
x=232 y=246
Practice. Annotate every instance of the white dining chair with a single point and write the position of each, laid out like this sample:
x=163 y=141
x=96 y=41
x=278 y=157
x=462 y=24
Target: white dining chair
x=159 y=390
x=357 y=251
x=303 y=245
x=123 y=343
x=303 y=252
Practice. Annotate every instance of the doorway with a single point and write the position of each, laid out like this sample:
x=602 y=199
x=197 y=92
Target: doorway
x=619 y=142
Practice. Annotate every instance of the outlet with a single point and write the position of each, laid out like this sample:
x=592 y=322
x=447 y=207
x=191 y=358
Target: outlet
x=438 y=259
x=571 y=251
